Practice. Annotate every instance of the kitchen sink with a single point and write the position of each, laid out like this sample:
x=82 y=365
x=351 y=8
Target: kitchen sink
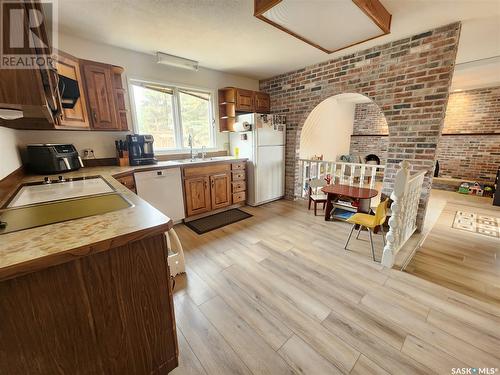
x=31 y=216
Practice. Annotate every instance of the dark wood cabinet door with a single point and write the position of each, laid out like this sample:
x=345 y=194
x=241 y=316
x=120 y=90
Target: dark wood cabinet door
x=244 y=100
x=76 y=117
x=220 y=190
x=98 y=81
x=197 y=191
x=262 y=102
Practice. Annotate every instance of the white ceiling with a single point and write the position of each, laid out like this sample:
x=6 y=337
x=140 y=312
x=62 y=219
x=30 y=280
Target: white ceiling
x=224 y=35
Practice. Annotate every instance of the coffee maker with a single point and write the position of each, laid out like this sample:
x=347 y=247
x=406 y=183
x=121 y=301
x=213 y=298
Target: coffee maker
x=140 y=149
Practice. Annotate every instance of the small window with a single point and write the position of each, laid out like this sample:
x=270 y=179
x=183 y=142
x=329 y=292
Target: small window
x=172 y=114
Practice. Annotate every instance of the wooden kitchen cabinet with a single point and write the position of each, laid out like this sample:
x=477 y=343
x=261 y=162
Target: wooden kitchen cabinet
x=220 y=190
x=76 y=117
x=99 y=88
x=32 y=91
x=233 y=100
x=244 y=101
x=119 y=97
x=108 y=312
x=214 y=187
x=262 y=102
x=197 y=195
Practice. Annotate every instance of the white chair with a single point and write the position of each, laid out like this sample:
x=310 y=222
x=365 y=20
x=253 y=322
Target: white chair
x=315 y=194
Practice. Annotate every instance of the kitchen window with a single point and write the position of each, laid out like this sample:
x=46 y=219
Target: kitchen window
x=171 y=114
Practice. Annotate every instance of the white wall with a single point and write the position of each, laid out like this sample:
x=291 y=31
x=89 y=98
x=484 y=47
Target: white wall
x=327 y=130
x=138 y=66
x=10 y=159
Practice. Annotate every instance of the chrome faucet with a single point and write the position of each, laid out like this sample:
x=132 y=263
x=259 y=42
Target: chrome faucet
x=190 y=144
x=203 y=152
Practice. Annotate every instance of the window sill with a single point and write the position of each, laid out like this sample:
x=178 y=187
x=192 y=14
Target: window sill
x=187 y=151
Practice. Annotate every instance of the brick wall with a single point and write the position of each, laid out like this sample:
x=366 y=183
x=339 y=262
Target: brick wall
x=474 y=157
x=473 y=111
x=408 y=79
x=475 y=153
x=369 y=135
x=369 y=119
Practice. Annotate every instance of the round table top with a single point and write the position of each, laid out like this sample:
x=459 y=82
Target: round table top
x=350 y=191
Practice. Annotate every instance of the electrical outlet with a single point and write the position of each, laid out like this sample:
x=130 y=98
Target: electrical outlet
x=88 y=153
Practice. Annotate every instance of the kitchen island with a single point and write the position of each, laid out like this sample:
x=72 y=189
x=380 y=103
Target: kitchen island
x=91 y=295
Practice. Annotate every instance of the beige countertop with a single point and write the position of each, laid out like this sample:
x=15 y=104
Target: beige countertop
x=38 y=248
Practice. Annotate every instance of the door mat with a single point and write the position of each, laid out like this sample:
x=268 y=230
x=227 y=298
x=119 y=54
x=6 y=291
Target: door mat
x=477 y=223
x=206 y=224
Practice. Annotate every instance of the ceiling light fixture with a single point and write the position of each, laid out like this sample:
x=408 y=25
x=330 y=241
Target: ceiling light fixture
x=176 y=61
x=330 y=25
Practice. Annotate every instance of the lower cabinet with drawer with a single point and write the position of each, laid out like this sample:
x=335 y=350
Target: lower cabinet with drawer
x=213 y=187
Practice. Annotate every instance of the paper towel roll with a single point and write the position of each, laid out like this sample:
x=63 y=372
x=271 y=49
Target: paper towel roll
x=242 y=126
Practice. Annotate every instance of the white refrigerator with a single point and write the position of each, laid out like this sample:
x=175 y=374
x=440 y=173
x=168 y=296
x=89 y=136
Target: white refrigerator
x=264 y=146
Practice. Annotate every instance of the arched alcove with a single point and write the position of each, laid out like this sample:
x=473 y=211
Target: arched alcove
x=342 y=124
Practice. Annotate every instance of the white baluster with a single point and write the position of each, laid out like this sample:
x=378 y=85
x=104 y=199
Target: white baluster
x=342 y=173
x=334 y=172
x=362 y=176
x=397 y=218
x=372 y=177
x=352 y=169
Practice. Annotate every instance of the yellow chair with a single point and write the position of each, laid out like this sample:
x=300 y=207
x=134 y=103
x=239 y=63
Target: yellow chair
x=370 y=222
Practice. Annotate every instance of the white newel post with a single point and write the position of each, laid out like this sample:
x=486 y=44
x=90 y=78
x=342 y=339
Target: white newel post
x=393 y=237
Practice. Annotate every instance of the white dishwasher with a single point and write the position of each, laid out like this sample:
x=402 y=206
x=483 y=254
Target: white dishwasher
x=163 y=190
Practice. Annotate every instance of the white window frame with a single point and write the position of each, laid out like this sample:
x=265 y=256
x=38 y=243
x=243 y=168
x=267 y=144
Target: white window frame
x=176 y=114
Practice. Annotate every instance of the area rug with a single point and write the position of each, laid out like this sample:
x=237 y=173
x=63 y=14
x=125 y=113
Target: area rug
x=477 y=223
x=216 y=221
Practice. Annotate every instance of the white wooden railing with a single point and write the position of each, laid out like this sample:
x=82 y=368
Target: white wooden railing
x=404 y=209
x=363 y=175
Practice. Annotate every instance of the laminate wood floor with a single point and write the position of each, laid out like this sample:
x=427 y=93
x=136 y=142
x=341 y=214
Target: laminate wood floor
x=460 y=260
x=277 y=294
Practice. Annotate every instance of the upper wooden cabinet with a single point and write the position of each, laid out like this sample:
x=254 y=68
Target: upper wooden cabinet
x=233 y=101
x=262 y=102
x=74 y=112
x=244 y=100
x=32 y=91
x=119 y=96
x=100 y=94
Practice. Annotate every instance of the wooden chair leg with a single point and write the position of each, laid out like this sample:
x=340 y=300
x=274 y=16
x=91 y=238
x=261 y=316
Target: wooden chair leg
x=309 y=207
x=324 y=204
x=348 y=238
x=315 y=207
x=383 y=234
